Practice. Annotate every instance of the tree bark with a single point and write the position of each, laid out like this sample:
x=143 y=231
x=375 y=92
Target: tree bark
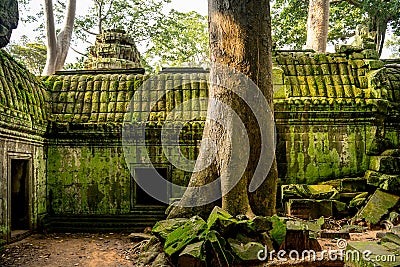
x=378 y=25
x=240 y=39
x=317 y=25
x=58 y=45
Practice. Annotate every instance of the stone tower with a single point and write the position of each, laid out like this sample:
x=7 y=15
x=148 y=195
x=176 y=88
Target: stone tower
x=114 y=49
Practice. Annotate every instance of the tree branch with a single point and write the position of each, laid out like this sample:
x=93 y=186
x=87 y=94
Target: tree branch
x=64 y=37
x=51 y=38
x=85 y=30
x=108 y=11
x=78 y=52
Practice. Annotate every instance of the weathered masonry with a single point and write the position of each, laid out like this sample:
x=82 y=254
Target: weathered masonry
x=333 y=112
x=24 y=118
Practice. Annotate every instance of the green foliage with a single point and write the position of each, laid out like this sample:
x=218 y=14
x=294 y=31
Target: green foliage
x=138 y=17
x=278 y=231
x=219 y=241
x=191 y=231
x=394 y=46
x=78 y=65
x=31 y=55
x=181 y=39
x=289 y=19
x=176 y=39
x=343 y=20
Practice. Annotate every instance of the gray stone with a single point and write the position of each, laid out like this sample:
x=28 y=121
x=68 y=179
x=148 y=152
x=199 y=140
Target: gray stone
x=137 y=237
x=376 y=250
x=246 y=252
x=193 y=255
x=8 y=20
x=391 y=237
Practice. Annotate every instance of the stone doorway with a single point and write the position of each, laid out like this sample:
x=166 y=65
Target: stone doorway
x=141 y=198
x=19 y=197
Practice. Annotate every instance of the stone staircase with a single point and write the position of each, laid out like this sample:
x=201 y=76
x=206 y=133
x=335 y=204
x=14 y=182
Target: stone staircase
x=136 y=221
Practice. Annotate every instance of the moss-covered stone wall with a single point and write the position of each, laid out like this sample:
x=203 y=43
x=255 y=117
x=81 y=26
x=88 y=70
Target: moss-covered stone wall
x=86 y=168
x=23 y=123
x=332 y=111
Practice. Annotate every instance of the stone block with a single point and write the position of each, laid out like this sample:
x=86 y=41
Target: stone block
x=378 y=206
x=297 y=191
x=351 y=185
x=374 y=64
x=370 y=53
x=344 y=68
x=374 y=259
x=334 y=69
x=357 y=55
x=325 y=69
x=390 y=183
x=309 y=208
x=385 y=164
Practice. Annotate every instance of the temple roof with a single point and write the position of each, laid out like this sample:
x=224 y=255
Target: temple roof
x=23 y=98
x=104 y=98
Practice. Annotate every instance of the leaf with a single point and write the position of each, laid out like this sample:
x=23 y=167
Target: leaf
x=217 y=245
x=191 y=231
x=164 y=228
x=278 y=232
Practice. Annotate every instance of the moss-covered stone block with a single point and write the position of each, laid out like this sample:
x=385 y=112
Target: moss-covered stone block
x=184 y=235
x=389 y=183
x=378 y=206
x=309 y=208
x=374 y=64
x=385 y=164
x=370 y=53
x=165 y=227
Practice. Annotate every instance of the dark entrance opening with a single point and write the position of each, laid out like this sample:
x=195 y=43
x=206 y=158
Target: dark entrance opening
x=147 y=175
x=19 y=194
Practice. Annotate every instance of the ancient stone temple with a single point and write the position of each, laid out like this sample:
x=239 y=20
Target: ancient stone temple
x=337 y=116
x=24 y=117
x=114 y=49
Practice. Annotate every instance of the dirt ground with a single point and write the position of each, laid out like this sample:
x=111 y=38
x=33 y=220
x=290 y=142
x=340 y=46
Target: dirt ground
x=92 y=250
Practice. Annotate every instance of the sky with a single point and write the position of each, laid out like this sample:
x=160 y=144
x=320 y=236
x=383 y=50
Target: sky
x=200 y=6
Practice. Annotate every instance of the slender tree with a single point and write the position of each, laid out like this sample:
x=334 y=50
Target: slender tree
x=240 y=39
x=317 y=25
x=58 y=44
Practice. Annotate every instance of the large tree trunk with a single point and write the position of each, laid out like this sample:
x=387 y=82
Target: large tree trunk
x=317 y=25
x=240 y=43
x=58 y=45
x=378 y=25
